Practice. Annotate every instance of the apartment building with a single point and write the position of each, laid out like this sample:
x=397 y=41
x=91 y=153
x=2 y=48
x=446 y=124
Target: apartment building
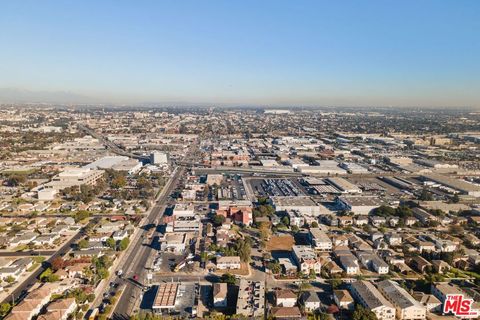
x=220 y=291
x=228 y=263
x=306 y=259
x=406 y=306
x=320 y=240
x=369 y=297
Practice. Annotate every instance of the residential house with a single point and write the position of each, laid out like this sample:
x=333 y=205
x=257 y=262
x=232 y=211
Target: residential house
x=59 y=310
x=377 y=221
x=440 y=266
x=296 y=218
x=120 y=235
x=23 y=238
x=373 y=262
x=425 y=246
x=393 y=239
x=281 y=313
x=349 y=264
x=429 y=301
x=311 y=301
x=333 y=268
x=420 y=264
x=361 y=220
x=343 y=299
x=46 y=239
x=289 y=268
x=345 y=221
x=444 y=245
x=285 y=298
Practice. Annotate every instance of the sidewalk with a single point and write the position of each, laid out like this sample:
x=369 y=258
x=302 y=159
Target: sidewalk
x=4 y=293
x=114 y=268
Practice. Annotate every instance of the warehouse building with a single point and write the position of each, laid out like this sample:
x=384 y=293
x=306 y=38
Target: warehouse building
x=460 y=185
x=344 y=185
x=304 y=205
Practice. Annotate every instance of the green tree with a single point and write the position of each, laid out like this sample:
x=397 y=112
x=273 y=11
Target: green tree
x=102 y=273
x=275 y=267
x=335 y=283
x=218 y=220
x=244 y=250
x=403 y=212
x=81 y=215
x=118 y=182
x=82 y=244
x=384 y=211
x=314 y=224
x=426 y=195
x=10 y=279
x=5 y=308
x=228 y=278
x=361 y=313
x=111 y=243
x=123 y=244
x=48 y=276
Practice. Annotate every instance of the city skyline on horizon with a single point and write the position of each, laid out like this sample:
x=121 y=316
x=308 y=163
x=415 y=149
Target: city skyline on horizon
x=273 y=53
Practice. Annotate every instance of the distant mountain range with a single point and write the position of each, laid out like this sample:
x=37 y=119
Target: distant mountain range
x=14 y=95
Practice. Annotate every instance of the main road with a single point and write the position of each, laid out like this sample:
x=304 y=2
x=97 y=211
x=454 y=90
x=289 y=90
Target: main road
x=135 y=262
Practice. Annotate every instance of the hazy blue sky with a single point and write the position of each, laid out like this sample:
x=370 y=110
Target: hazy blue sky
x=418 y=52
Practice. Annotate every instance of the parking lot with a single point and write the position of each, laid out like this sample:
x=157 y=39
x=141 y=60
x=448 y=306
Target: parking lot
x=277 y=187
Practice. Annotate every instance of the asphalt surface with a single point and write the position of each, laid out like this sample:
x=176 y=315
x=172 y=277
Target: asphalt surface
x=136 y=262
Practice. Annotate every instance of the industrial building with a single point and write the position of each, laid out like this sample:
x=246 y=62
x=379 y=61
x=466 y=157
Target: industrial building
x=462 y=186
x=344 y=185
x=158 y=158
x=358 y=204
x=304 y=205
